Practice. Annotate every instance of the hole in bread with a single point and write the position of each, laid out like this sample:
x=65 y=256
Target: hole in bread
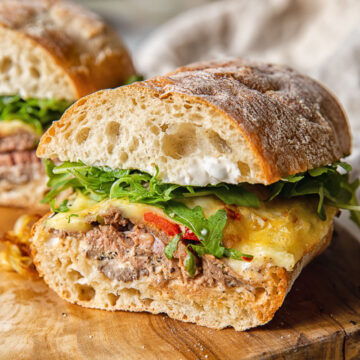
x=74 y=275
x=244 y=168
x=112 y=130
x=218 y=142
x=123 y=156
x=85 y=292
x=155 y=130
x=146 y=301
x=5 y=64
x=82 y=135
x=143 y=106
x=134 y=144
x=181 y=142
x=58 y=263
x=131 y=292
x=98 y=117
x=178 y=115
x=47 y=140
x=34 y=88
x=34 y=72
x=67 y=135
x=113 y=298
x=66 y=294
x=81 y=117
x=195 y=117
x=164 y=127
x=110 y=148
x=134 y=101
x=259 y=292
x=81 y=102
x=187 y=106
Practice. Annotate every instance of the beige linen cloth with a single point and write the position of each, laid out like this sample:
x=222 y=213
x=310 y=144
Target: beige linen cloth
x=318 y=37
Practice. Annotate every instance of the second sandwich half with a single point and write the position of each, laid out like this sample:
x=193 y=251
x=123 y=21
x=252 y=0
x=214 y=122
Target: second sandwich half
x=201 y=194
x=51 y=54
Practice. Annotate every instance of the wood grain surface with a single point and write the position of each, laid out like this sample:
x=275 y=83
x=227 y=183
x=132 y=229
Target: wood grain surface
x=319 y=320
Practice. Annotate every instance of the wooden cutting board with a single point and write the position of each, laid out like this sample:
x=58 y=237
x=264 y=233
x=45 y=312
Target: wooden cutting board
x=319 y=320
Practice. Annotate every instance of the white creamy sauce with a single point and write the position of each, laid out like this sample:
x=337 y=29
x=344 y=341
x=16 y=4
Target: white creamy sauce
x=208 y=170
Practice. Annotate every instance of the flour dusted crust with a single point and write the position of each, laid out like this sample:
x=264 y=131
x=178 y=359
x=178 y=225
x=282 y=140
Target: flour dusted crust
x=225 y=121
x=56 y=49
x=76 y=278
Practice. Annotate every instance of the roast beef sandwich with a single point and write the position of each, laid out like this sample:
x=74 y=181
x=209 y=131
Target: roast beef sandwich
x=51 y=53
x=200 y=194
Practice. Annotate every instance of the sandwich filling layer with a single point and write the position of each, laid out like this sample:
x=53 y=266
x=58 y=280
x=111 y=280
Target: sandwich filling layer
x=117 y=231
x=235 y=224
x=21 y=124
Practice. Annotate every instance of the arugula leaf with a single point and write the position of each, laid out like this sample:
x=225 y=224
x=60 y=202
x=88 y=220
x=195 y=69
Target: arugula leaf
x=326 y=182
x=62 y=207
x=209 y=231
x=102 y=182
x=172 y=246
x=213 y=236
x=134 y=78
x=237 y=195
x=39 y=113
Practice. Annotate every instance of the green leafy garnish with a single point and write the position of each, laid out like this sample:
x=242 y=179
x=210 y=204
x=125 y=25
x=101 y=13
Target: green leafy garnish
x=102 y=182
x=208 y=230
x=327 y=183
x=62 y=207
x=134 y=78
x=39 y=113
x=172 y=246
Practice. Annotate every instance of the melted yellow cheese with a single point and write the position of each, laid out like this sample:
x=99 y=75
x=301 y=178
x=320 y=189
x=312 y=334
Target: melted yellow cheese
x=14 y=126
x=279 y=232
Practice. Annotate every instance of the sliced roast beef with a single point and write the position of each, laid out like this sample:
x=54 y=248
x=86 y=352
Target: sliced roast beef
x=18 y=158
x=18 y=161
x=19 y=141
x=20 y=167
x=126 y=252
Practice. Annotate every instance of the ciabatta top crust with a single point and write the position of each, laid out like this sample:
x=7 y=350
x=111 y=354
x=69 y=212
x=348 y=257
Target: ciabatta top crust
x=292 y=122
x=252 y=122
x=91 y=54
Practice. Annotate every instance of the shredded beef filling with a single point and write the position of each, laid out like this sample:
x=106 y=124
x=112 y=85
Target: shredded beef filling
x=127 y=252
x=18 y=161
x=19 y=141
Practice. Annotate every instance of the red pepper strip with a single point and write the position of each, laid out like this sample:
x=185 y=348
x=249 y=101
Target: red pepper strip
x=232 y=214
x=161 y=223
x=189 y=235
x=245 y=258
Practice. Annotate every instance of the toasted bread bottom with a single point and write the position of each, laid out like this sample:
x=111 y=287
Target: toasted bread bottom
x=63 y=264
